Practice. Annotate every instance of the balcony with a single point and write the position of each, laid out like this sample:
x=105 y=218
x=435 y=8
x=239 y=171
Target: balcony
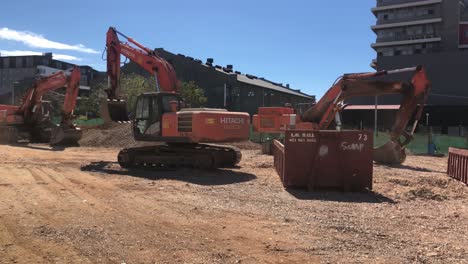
x=382 y=19
x=405 y=37
x=405 y=40
x=408 y=23
x=383 y=5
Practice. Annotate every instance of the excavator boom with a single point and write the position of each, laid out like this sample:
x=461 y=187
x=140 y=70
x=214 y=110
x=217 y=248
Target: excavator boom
x=114 y=108
x=30 y=115
x=414 y=96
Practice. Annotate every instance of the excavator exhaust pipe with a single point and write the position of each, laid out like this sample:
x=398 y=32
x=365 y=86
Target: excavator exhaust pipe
x=391 y=153
x=65 y=136
x=114 y=111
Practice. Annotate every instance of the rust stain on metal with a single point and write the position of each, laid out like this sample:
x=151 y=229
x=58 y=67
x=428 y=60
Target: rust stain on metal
x=325 y=159
x=458 y=164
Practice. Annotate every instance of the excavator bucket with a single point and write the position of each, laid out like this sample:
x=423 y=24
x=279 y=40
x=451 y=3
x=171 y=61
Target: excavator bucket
x=65 y=136
x=391 y=153
x=114 y=111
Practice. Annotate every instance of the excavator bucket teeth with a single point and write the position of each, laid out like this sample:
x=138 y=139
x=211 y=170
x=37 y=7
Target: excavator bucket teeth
x=390 y=153
x=114 y=111
x=62 y=136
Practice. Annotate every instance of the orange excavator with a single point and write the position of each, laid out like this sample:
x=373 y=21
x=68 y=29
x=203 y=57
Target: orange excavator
x=325 y=114
x=31 y=120
x=185 y=136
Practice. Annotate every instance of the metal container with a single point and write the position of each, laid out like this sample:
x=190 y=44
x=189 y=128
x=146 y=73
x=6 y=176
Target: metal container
x=325 y=159
x=458 y=164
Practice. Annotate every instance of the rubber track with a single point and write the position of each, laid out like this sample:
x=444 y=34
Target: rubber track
x=205 y=156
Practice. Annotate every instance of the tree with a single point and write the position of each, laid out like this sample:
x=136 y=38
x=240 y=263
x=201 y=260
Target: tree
x=131 y=86
x=193 y=95
x=91 y=105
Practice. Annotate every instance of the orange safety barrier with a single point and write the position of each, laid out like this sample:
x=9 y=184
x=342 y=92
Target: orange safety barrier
x=458 y=164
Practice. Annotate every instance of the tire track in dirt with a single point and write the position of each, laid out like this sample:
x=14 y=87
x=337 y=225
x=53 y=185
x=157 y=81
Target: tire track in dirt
x=17 y=226
x=220 y=232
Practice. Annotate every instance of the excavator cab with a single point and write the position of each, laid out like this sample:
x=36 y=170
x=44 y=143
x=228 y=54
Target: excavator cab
x=149 y=110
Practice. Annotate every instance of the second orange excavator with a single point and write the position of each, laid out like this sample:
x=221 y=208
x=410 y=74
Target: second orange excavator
x=184 y=136
x=31 y=119
x=325 y=114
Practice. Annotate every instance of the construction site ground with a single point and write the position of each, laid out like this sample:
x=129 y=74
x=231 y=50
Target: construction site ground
x=76 y=205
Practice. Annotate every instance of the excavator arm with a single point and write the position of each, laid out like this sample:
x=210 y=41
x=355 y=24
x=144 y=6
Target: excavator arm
x=166 y=81
x=71 y=94
x=65 y=132
x=321 y=115
x=414 y=96
x=33 y=96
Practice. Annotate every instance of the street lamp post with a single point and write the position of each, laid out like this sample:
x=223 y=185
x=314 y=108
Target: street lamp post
x=430 y=146
x=376 y=132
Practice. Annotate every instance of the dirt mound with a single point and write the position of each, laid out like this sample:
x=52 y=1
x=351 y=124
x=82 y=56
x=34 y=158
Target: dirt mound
x=426 y=194
x=247 y=145
x=121 y=136
x=113 y=135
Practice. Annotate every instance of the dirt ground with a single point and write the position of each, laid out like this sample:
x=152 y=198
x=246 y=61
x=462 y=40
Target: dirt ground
x=77 y=206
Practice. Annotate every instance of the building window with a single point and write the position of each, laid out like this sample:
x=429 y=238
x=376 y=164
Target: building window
x=430 y=29
x=385 y=52
x=6 y=62
x=19 y=62
x=463 y=35
x=58 y=65
x=29 y=62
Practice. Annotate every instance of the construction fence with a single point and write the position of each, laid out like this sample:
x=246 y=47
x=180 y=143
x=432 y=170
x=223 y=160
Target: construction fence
x=457 y=167
x=81 y=121
x=420 y=144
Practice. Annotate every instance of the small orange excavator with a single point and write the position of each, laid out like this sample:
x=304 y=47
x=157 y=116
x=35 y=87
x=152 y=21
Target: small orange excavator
x=182 y=133
x=325 y=114
x=31 y=119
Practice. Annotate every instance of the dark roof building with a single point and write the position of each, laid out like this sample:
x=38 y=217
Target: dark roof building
x=18 y=73
x=226 y=88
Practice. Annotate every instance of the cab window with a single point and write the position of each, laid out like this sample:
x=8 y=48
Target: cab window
x=167 y=102
x=142 y=108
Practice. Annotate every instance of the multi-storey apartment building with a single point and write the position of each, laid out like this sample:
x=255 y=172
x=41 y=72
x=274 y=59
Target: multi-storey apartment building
x=432 y=33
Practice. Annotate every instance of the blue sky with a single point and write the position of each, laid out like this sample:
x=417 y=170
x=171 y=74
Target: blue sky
x=304 y=43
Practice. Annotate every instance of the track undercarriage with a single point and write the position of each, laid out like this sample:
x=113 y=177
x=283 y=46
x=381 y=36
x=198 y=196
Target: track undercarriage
x=203 y=156
x=8 y=134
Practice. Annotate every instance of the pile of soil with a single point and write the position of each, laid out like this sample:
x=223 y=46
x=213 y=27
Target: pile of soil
x=111 y=135
x=121 y=136
x=247 y=145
